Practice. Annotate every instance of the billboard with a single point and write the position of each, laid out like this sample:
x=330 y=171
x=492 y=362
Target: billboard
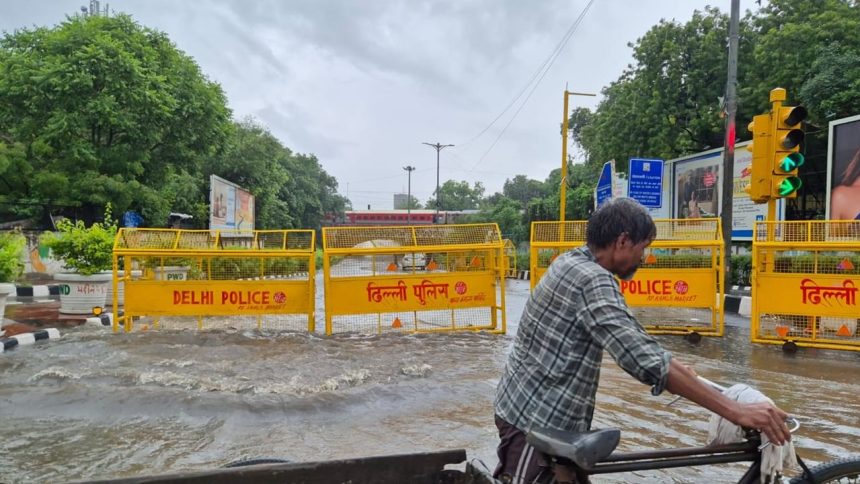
x=843 y=169
x=697 y=190
x=230 y=206
x=697 y=186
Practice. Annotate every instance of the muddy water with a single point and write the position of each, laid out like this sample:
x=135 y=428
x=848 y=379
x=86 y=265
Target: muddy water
x=98 y=405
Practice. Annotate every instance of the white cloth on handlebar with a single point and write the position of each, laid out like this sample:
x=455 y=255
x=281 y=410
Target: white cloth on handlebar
x=774 y=458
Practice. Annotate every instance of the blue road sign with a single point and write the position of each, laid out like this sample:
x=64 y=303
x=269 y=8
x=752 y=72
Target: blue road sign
x=645 y=182
x=604 y=184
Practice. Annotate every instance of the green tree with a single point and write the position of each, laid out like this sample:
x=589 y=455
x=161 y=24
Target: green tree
x=795 y=40
x=833 y=90
x=412 y=203
x=523 y=189
x=310 y=192
x=102 y=107
x=255 y=160
x=291 y=190
x=509 y=214
x=456 y=195
x=668 y=102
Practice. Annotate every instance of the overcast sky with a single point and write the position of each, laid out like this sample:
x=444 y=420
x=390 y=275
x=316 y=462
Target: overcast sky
x=362 y=83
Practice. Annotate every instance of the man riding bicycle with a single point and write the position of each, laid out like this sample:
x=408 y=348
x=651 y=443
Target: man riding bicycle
x=577 y=311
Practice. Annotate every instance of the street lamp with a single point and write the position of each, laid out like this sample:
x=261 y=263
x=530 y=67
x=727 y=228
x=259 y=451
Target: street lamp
x=438 y=146
x=562 y=200
x=410 y=169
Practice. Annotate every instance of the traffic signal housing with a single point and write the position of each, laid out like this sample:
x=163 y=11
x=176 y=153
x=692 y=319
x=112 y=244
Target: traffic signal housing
x=759 y=188
x=787 y=136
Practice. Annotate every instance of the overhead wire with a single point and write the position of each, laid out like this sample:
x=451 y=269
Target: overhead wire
x=539 y=74
x=552 y=58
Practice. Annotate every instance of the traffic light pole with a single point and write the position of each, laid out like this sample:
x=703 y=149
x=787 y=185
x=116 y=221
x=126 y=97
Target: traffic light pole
x=731 y=134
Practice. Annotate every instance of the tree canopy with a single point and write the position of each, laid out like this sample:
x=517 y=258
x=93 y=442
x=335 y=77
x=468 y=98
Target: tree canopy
x=100 y=109
x=669 y=101
x=458 y=195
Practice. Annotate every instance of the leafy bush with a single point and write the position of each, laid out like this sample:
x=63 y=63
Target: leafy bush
x=12 y=246
x=523 y=260
x=85 y=250
x=234 y=268
x=741 y=270
x=685 y=261
x=820 y=264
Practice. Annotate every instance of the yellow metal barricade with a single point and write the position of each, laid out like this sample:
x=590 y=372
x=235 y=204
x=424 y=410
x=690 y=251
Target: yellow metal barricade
x=805 y=279
x=548 y=240
x=214 y=279
x=510 y=261
x=414 y=278
x=679 y=287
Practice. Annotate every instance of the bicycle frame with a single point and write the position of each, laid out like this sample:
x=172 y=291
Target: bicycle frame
x=619 y=462
x=682 y=457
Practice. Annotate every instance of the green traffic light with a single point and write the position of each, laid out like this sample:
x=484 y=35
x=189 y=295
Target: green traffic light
x=788 y=186
x=791 y=162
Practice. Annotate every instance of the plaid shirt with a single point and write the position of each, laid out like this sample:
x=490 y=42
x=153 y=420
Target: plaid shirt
x=575 y=312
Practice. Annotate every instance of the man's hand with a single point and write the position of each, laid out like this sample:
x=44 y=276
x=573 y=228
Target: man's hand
x=766 y=417
x=763 y=416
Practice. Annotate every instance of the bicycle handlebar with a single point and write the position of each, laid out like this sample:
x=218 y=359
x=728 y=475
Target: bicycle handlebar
x=788 y=420
x=713 y=385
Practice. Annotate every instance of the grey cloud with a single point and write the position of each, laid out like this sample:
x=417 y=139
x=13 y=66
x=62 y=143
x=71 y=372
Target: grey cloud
x=432 y=42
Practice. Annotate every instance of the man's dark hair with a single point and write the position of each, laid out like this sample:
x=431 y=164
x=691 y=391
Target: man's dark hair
x=615 y=217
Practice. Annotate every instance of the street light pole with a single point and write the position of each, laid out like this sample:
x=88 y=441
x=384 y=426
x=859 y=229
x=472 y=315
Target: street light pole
x=439 y=147
x=562 y=196
x=410 y=169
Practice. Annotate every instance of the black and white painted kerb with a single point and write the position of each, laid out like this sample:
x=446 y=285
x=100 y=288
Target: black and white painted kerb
x=103 y=319
x=38 y=291
x=25 y=339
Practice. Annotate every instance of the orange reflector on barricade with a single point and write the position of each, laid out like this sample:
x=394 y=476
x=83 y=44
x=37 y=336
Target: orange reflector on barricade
x=476 y=262
x=843 y=331
x=391 y=267
x=782 y=331
x=651 y=259
x=845 y=265
x=431 y=266
x=396 y=323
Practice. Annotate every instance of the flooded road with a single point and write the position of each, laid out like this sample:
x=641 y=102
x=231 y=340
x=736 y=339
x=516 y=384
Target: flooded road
x=98 y=405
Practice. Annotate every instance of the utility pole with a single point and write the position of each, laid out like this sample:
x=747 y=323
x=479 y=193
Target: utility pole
x=410 y=169
x=439 y=147
x=562 y=196
x=731 y=134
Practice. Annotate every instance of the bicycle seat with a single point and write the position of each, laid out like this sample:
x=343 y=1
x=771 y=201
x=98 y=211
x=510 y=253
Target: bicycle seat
x=585 y=449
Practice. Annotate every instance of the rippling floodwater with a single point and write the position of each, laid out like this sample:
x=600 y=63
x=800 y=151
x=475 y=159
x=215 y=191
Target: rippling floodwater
x=97 y=405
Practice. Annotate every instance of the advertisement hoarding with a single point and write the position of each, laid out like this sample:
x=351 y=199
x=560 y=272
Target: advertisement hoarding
x=697 y=190
x=230 y=206
x=843 y=169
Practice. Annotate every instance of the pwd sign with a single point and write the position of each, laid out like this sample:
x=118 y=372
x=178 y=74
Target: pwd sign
x=645 y=183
